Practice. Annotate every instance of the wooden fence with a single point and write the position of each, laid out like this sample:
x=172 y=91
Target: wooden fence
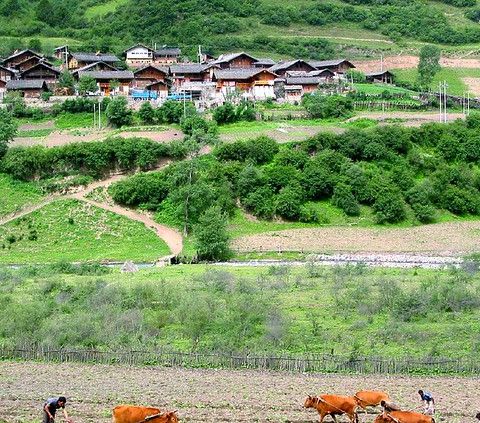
x=318 y=363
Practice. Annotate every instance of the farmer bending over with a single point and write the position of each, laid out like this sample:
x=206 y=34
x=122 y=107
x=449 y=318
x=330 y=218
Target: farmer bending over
x=50 y=408
x=428 y=402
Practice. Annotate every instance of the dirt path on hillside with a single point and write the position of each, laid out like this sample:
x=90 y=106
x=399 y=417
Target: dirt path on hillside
x=171 y=237
x=441 y=239
x=409 y=62
x=59 y=138
x=213 y=395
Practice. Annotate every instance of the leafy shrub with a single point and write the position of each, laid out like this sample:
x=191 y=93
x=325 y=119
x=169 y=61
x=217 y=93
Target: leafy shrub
x=389 y=205
x=310 y=214
x=331 y=106
x=344 y=199
x=118 y=112
x=147 y=113
x=289 y=202
x=260 y=202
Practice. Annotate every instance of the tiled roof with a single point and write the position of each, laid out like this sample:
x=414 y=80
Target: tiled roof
x=21 y=52
x=92 y=65
x=163 y=69
x=168 y=51
x=265 y=61
x=285 y=65
x=95 y=57
x=189 y=68
x=21 y=84
x=107 y=74
x=321 y=64
x=224 y=58
x=238 y=74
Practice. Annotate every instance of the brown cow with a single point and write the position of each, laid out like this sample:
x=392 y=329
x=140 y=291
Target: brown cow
x=370 y=398
x=138 y=414
x=333 y=405
x=404 y=417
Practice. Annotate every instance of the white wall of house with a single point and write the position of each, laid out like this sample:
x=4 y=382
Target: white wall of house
x=139 y=56
x=263 y=92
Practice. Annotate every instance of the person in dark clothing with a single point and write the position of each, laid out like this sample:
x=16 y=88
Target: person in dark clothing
x=428 y=402
x=50 y=409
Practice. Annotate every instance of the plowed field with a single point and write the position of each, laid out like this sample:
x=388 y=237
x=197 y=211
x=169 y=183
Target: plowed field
x=211 y=395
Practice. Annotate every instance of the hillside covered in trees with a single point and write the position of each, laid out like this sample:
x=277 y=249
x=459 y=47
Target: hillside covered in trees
x=241 y=24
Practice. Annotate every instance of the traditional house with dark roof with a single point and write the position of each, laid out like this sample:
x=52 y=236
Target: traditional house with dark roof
x=97 y=66
x=3 y=88
x=256 y=83
x=41 y=71
x=385 y=77
x=28 y=88
x=107 y=81
x=159 y=87
x=6 y=73
x=60 y=52
x=338 y=66
x=235 y=60
x=30 y=63
x=139 y=55
x=79 y=60
x=149 y=74
x=191 y=72
x=19 y=57
x=167 y=55
x=294 y=65
x=264 y=63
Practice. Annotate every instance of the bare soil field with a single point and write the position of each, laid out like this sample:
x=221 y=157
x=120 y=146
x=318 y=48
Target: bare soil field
x=473 y=85
x=211 y=395
x=441 y=239
x=409 y=62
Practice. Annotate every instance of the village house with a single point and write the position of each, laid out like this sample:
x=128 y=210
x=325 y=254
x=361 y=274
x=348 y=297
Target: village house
x=19 y=57
x=264 y=63
x=30 y=63
x=3 y=88
x=139 y=55
x=149 y=74
x=235 y=60
x=191 y=72
x=385 y=77
x=6 y=74
x=167 y=55
x=80 y=60
x=111 y=82
x=41 y=71
x=282 y=68
x=255 y=83
x=97 y=66
x=160 y=88
x=28 y=88
x=61 y=53
x=338 y=66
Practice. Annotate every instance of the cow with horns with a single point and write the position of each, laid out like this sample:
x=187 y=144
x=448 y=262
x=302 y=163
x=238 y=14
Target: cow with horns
x=333 y=405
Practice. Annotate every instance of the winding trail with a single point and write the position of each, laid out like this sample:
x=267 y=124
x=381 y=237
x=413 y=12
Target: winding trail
x=171 y=237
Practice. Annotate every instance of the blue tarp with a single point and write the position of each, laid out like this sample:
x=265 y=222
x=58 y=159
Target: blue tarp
x=143 y=94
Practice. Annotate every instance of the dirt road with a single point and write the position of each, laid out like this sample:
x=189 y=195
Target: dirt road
x=211 y=395
x=409 y=62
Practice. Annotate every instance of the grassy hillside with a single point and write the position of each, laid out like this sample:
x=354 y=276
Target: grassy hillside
x=349 y=310
x=16 y=194
x=295 y=28
x=73 y=231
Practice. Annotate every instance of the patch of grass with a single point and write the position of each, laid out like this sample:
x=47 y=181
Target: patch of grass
x=70 y=230
x=35 y=133
x=14 y=195
x=453 y=76
x=76 y=120
x=309 y=309
x=102 y=9
x=373 y=89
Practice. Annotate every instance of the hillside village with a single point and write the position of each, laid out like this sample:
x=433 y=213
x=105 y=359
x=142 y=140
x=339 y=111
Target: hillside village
x=144 y=73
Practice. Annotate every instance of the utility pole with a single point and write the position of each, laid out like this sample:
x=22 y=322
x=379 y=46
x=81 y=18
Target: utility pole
x=440 y=100
x=199 y=53
x=94 y=115
x=99 y=115
x=445 y=86
x=381 y=62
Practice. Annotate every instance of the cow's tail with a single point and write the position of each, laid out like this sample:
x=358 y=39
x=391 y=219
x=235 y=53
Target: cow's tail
x=433 y=420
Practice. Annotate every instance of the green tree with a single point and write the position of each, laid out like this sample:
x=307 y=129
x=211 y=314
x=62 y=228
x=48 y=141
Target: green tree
x=429 y=64
x=8 y=129
x=118 y=112
x=211 y=236
x=35 y=44
x=146 y=113
x=66 y=81
x=45 y=11
x=86 y=84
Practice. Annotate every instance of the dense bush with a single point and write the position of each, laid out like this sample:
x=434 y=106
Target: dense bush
x=92 y=158
x=344 y=199
x=259 y=150
x=327 y=106
x=118 y=112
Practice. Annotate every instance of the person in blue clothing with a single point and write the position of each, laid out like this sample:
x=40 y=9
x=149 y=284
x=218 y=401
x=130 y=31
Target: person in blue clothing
x=428 y=402
x=50 y=409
